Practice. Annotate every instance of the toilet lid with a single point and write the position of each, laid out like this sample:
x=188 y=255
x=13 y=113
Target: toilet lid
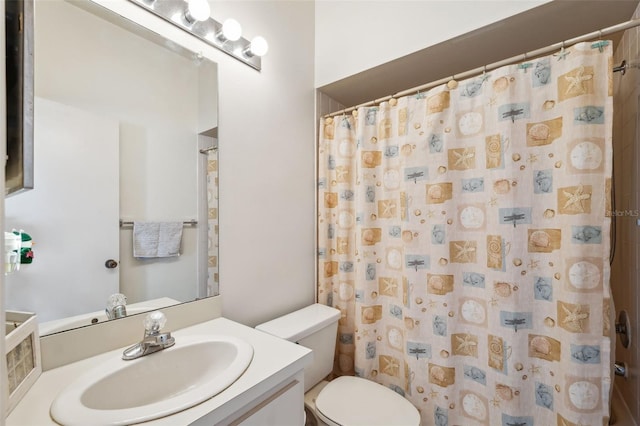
x=351 y=400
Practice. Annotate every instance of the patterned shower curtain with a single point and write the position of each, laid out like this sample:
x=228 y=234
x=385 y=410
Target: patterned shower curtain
x=213 y=286
x=464 y=235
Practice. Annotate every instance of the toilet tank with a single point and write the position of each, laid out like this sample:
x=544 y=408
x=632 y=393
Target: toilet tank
x=314 y=327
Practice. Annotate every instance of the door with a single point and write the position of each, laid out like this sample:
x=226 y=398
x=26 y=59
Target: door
x=80 y=150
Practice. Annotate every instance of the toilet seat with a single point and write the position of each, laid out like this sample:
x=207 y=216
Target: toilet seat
x=351 y=401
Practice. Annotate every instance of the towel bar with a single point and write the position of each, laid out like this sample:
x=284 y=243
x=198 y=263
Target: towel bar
x=191 y=222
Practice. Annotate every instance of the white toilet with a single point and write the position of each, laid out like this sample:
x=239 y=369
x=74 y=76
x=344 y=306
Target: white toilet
x=346 y=400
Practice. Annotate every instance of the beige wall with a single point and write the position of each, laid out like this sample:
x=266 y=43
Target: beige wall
x=387 y=30
x=625 y=274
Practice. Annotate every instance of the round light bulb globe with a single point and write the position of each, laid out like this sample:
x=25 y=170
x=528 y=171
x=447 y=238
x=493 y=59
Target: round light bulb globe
x=231 y=30
x=259 y=46
x=199 y=9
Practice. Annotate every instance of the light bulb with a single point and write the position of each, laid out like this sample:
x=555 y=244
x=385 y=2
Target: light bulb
x=231 y=30
x=258 y=46
x=197 y=10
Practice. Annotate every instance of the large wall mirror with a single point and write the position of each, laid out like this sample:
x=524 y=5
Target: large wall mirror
x=123 y=130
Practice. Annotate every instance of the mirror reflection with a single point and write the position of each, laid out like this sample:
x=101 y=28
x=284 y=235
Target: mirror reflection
x=124 y=123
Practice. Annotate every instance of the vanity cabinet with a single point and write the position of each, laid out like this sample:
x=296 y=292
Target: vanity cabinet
x=282 y=406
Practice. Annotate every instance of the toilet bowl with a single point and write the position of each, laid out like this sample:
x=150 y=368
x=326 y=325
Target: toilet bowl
x=352 y=401
x=346 y=400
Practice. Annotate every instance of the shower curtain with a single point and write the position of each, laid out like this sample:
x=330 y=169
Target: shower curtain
x=212 y=223
x=463 y=233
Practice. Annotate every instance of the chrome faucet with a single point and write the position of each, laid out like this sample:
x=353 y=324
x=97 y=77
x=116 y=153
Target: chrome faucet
x=116 y=306
x=153 y=340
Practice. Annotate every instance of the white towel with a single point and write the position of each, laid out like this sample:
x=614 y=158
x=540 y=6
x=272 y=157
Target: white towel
x=156 y=239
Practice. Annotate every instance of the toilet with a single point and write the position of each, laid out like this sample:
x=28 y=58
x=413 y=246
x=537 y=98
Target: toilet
x=346 y=400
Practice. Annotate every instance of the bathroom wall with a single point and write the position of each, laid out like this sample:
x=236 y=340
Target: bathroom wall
x=625 y=274
x=353 y=36
x=266 y=164
x=325 y=104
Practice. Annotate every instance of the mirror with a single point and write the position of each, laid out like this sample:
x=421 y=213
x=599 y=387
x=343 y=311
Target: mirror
x=123 y=129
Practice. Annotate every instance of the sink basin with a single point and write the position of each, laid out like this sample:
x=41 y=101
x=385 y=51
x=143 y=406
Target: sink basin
x=121 y=392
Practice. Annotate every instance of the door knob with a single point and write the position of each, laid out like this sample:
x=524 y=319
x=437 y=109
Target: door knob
x=110 y=264
x=623 y=328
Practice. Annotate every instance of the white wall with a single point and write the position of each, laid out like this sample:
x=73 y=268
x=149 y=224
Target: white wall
x=207 y=96
x=353 y=36
x=266 y=157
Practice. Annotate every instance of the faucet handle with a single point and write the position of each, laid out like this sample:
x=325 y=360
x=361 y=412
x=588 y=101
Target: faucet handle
x=116 y=299
x=154 y=322
x=116 y=306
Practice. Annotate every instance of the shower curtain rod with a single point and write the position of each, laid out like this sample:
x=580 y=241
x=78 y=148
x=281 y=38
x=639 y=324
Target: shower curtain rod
x=522 y=57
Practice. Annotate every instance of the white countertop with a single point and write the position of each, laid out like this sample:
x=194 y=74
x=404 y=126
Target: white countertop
x=273 y=361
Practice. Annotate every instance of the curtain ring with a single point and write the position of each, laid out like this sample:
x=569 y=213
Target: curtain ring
x=484 y=76
x=562 y=54
x=452 y=84
x=599 y=34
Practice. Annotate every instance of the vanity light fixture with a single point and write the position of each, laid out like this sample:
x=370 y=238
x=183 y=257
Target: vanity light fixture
x=231 y=31
x=257 y=47
x=194 y=18
x=197 y=10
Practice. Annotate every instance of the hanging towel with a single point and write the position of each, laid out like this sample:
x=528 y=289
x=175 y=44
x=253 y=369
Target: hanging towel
x=156 y=239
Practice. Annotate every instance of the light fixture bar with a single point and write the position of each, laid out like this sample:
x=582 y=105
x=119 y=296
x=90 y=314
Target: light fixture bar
x=173 y=11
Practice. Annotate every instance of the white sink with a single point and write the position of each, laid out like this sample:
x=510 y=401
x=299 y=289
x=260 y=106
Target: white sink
x=121 y=392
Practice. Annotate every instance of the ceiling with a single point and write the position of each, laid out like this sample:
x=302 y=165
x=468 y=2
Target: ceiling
x=536 y=28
